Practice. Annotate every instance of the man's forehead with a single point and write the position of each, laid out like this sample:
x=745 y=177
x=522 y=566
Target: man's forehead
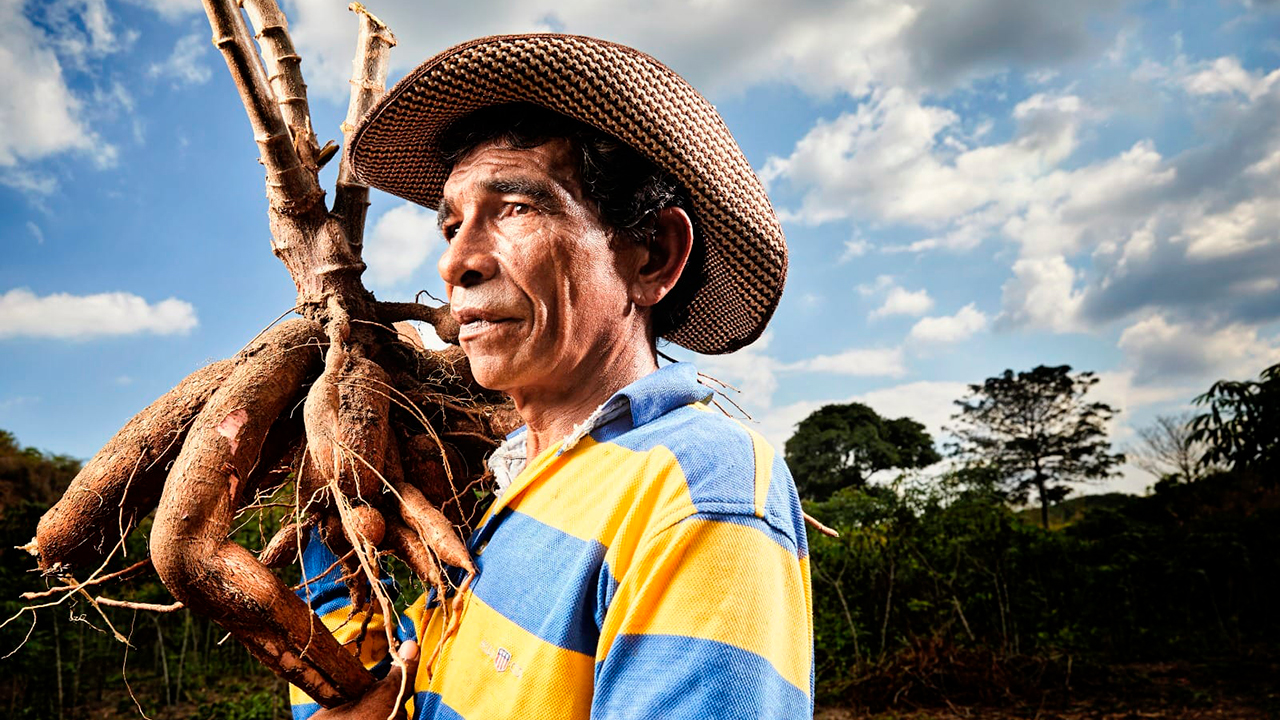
x=497 y=166
x=555 y=156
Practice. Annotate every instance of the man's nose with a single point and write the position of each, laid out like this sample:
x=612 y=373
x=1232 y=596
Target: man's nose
x=469 y=259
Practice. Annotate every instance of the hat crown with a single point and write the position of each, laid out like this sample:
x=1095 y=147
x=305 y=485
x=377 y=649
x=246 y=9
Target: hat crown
x=625 y=93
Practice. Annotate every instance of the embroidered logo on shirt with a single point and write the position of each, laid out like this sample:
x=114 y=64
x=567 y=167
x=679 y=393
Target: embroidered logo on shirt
x=501 y=657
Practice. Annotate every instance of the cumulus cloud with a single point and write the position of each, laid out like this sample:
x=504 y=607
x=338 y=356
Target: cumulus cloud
x=896 y=300
x=898 y=159
x=1225 y=76
x=854 y=248
x=1042 y=294
x=751 y=370
x=900 y=301
x=951 y=41
x=400 y=242
x=821 y=47
x=858 y=362
x=1158 y=349
x=928 y=402
x=170 y=9
x=81 y=317
x=38 y=111
x=950 y=328
x=183 y=65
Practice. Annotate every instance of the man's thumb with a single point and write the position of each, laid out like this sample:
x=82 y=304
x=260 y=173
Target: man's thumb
x=408 y=652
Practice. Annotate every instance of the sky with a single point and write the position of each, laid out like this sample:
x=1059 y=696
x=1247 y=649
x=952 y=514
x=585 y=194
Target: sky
x=967 y=186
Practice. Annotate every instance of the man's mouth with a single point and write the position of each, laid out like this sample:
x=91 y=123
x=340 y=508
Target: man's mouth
x=475 y=321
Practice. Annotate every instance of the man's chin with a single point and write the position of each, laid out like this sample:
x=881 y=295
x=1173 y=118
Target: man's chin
x=491 y=372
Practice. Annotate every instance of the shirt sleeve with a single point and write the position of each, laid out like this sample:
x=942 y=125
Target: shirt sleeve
x=327 y=595
x=712 y=619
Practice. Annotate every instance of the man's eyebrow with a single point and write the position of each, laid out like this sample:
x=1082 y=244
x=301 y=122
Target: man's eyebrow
x=443 y=212
x=539 y=191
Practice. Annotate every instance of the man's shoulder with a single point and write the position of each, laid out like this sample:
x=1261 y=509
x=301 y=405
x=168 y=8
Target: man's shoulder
x=731 y=472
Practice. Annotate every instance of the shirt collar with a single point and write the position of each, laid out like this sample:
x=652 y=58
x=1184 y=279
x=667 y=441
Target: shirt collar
x=647 y=399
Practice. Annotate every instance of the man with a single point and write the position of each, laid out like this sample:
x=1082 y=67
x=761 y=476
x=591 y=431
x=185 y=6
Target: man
x=646 y=556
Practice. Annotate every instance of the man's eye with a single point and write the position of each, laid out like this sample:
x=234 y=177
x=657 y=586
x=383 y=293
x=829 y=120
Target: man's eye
x=449 y=231
x=521 y=208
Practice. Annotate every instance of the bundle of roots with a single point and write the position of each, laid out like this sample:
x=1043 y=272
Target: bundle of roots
x=381 y=464
x=382 y=439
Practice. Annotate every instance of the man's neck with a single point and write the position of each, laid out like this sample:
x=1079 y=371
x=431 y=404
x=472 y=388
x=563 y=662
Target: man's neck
x=552 y=414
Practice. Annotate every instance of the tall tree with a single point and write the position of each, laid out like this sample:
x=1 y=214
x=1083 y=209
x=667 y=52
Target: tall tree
x=1167 y=449
x=1038 y=431
x=1242 y=424
x=839 y=446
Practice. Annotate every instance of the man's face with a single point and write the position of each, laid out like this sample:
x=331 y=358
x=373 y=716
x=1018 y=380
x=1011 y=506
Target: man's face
x=531 y=275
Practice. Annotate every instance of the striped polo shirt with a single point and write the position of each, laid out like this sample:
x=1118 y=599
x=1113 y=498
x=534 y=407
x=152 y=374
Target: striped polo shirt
x=652 y=565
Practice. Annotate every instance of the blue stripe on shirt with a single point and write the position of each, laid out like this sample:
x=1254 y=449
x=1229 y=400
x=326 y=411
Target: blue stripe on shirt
x=687 y=678
x=715 y=478
x=782 y=505
x=546 y=581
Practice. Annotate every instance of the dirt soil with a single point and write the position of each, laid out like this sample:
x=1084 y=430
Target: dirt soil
x=1177 y=691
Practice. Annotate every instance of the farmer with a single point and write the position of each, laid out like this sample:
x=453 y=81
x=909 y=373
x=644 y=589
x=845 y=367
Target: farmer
x=645 y=556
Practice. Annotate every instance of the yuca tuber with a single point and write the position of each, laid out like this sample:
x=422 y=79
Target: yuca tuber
x=122 y=483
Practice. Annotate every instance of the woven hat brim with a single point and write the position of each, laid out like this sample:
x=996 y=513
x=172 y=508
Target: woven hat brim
x=627 y=94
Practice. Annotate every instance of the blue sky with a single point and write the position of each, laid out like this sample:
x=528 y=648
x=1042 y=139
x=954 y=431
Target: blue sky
x=966 y=186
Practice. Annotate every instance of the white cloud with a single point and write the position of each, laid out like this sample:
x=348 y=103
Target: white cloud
x=36 y=232
x=183 y=64
x=899 y=301
x=874 y=362
x=39 y=113
x=400 y=242
x=721 y=47
x=750 y=370
x=880 y=284
x=896 y=299
x=34 y=185
x=930 y=402
x=1245 y=226
x=1160 y=350
x=854 y=248
x=1225 y=76
x=897 y=159
x=1042 y=294
x=950 y=328
x=81 y=317
x=170 y=9
x=80 y=30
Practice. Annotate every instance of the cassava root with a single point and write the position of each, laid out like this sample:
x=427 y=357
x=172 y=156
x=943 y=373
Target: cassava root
x=380 y=440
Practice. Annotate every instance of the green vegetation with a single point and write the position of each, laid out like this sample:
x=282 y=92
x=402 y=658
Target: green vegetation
x=939 y=591
x=68 y=659
x=1036 y=431
x=840 y=446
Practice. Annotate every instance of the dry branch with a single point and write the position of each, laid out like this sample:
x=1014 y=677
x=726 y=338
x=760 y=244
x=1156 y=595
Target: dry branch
x=368 y=83
x=291 y=187
x=284 y=74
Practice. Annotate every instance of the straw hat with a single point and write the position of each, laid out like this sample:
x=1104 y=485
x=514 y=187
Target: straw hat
x=627 y=94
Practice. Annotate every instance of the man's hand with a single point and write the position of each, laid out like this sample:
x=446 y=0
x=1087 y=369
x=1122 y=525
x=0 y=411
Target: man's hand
x=384 y=700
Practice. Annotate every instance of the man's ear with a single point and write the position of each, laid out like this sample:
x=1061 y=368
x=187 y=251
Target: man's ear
x=664 y=259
